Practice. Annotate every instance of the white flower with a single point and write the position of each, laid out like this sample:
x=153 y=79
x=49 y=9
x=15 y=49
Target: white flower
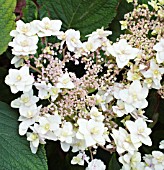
x=148 y=162
x=139 y=131
x=65 y=82
x=28 y=111
x=18 y=61
x=119 y=109
x=105 y=46
x=123 y=141
x=91 y=131
x=161 y=146
x=154 y=73
x=124 y=25
x=133 y=76
x=72 y=39
x=61 y=36
x=96 y=164
x=65 y=135
x=66 y=132
x=24 y=45
x=154 y=161
x=97 y=39
x=26 y=99
x=43 y=89
x=19 y=80
x=103 y=98
x=54 y=92
x=78 y=159
x=161 y=2
x=28 y=29
x=159 y=47
x=35 y=138
x=29 y=115
x=78 y=145
x=100 y=34
x=154 y=4
x=123 y=52
x=116 y=90
x=129 y=1
x=106 y=135
x=48 y=27
x=158 y=160
x=134 y=96
x=49 y=123
x=91 y=45
x=131 y=161
x=96 y=115
x=139 y=114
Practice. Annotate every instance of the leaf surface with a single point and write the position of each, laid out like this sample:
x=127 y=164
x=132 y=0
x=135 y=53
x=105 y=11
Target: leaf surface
x=82 y=15
x=15 y=150
x=114 y=164
x=7 y=22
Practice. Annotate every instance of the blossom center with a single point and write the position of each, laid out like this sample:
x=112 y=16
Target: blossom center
x=149 y=81
x=134 y=96
x=94 y=131
x=24 y=43
x=89 y=46
x=140 y=130
x=96 y=114
x=160 y=158
x=24 y=29
x=34 y=136
x=25 y=99
x=135 y=76
x=156 y=72
x=19 y=77
x=128 y=139
x=65 y=134
x=65 y=81
x=55 y=91
x=73 y=39
x=47 y=126
x=47 y=26
x=30 y=113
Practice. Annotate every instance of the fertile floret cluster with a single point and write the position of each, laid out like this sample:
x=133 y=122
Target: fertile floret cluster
x=80 y=108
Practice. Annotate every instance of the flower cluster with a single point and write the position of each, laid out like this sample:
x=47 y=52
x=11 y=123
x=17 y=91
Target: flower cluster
x=154 y=161
x=79 y=108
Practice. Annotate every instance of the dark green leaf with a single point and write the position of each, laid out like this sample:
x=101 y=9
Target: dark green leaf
x=82 y=15
x=115 y=26
x=15 y=150
x=152 y=111
x=30 y=11
x=7 y=22
x=114 y=164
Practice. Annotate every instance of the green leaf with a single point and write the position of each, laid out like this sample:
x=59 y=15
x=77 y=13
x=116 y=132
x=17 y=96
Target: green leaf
x=115 y=26
x=82 y=15
x=15 y=150
x=114 y=164
x=30 y=11
x=7 y=22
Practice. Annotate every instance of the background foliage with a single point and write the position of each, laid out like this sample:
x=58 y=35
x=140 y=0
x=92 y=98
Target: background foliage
x=85 y=16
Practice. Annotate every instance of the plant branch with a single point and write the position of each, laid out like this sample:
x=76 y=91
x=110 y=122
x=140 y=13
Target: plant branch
x=108 y=150
x=35 y=69
x=91 y=153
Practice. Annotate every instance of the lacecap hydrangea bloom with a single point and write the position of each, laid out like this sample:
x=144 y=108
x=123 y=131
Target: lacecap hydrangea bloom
x=101 y=106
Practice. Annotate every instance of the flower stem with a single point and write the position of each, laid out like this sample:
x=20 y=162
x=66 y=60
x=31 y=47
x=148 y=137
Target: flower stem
x=35 y=69
x=91 y=153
